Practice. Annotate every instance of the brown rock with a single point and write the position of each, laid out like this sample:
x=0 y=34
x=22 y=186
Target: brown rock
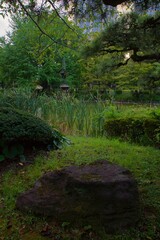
x=100 y=194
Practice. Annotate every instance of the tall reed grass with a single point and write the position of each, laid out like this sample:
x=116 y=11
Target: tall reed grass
x=64 y=112
x=67 y=113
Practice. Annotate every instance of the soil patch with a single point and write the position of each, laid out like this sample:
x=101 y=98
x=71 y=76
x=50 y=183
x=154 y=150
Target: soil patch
x=16 y=164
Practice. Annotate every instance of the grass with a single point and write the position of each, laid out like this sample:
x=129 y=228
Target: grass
x=142 y=161
x=68 y=114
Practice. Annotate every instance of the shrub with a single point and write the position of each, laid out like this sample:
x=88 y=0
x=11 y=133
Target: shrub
x=139 y=130
x=156 y=113
x=18 y=126
x=20 y=130
x=152 y=130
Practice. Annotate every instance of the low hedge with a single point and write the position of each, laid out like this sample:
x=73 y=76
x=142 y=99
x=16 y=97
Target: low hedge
x=145 y=131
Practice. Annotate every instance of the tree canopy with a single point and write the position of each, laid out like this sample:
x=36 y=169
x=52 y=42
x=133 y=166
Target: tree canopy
x=84 y=9
x=134 y=35
x=29 y=58
x=130 y=41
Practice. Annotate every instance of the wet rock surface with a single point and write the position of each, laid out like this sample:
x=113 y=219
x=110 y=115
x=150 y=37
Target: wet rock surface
x=100 y=194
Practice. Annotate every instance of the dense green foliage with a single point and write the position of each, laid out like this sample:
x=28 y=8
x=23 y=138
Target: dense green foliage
x=11 y=150
x=22 y=127
x=130 y=41
x=22 y=131
x=130 y=34
x=73 y=115
x=42 y=46
x=65 y=112
x=126 y=54
x=28 y=58
x=140 y=79
x=139 y=130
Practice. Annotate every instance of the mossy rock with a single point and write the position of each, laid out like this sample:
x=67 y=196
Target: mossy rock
x=21 y=127
x=101 y=194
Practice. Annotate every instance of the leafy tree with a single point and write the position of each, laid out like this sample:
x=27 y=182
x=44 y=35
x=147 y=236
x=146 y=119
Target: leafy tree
x=29 y=57
x=140 y=79
x=132 y=43
x=134 y=35
x=71 y=8
x=138 y=76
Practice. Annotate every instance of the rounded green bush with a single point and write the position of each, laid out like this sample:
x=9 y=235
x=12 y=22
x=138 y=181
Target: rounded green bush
x=21 y=132
x=20 y=127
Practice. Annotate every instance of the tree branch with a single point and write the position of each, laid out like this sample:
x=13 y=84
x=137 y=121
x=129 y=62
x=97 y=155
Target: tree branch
x=123 y=63
x=37 y=25
x=149 y=57
x=151 y=22
x=114 y=3
x=56 y=11
x=115 y=50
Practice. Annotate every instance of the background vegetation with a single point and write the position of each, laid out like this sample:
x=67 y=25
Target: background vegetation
x=103 y=70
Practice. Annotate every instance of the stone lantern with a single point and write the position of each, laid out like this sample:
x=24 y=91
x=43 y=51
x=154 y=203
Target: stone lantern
x=64 y=86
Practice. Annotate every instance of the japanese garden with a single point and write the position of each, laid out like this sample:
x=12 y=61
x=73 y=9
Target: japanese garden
x=80 y=120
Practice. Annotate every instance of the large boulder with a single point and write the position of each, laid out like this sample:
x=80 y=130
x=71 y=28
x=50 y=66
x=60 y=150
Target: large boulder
x=100 y=194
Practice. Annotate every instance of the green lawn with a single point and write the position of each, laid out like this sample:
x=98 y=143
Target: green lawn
x=142 y=161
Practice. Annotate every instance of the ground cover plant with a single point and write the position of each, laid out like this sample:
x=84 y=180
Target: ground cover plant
x=142 y=161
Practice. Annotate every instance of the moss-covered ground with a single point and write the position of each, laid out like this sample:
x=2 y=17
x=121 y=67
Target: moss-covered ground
x=144 y=162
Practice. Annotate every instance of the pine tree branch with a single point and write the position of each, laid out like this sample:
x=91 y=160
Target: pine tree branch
x=147 y=57
x=114 y=3
x=151 y=22
x=115 y=50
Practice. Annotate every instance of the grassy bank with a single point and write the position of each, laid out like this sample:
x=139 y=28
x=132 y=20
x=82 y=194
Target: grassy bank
x=142 y=161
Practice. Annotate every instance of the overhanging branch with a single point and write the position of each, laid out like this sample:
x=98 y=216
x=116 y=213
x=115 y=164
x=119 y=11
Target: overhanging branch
x=149 y=57
x=151 y=22
x=115 y=50
x=38 y=26
x=56 y=11
x=114 y=3
x=120 y=64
